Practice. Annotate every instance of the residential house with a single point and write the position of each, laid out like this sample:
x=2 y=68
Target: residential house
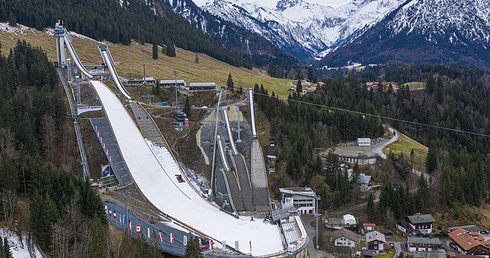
x=375 y=240
x=423 y=244
x=369 y=226
x=440 y=253
x=469 y=242
x=470 y=228
x=364 y=181
x=417 y=224
x=344 y=237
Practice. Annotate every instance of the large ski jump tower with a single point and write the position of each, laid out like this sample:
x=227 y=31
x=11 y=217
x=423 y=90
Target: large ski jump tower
x=60 y=31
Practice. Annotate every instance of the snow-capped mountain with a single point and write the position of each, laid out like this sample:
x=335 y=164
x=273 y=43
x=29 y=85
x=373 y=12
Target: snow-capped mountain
x=303 y=28
x=425 y=31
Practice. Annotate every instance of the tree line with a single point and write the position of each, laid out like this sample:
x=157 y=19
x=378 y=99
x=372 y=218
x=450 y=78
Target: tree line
x=119 y=22
x=451 y=97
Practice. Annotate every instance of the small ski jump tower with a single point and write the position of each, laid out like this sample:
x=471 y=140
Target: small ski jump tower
x=59 y=31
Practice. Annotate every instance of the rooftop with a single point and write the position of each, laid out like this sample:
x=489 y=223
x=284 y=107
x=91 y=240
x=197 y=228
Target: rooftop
x=344 y=233
x=464 y=239
x=424 y=240
x=375 y=235
x=306 y=191
x=421 y=218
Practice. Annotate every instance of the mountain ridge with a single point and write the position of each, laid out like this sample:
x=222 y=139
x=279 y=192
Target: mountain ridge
x=303 y=29
x=420 y=31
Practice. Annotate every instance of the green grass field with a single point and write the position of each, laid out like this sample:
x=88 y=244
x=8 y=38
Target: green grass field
x=406 y=145
x=415 y=85
x=129 y=62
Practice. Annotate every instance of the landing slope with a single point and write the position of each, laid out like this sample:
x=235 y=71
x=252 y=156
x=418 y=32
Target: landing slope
x=155 y=176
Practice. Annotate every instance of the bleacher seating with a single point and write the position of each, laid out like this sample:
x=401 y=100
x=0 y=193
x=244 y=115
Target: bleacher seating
x=291 y=231
x=101 y=125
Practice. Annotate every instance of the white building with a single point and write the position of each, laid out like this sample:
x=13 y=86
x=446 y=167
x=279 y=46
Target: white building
x=302 y=198
x=172 y=83
x=363 y=142
x=349 y=220
x=344 y=237
x=423 y=244
x=375 y=240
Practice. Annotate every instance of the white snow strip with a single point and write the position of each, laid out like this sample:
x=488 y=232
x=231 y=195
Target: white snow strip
x=160 y=186
x=18 y=246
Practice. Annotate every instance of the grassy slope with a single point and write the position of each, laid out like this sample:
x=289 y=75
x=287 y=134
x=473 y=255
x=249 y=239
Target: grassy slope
x=129 y=62
x=405 y=145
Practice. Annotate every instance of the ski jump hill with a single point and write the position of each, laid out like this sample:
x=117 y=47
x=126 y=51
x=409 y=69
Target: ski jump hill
x=156 y=173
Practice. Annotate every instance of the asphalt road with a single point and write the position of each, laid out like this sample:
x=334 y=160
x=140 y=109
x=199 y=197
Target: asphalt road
x=312 y=251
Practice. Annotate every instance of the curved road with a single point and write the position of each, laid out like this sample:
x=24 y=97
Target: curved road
x=378 y=148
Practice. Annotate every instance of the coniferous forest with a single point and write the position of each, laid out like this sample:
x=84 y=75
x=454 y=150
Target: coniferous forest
x=119 y=22
x=450 y=115
x=66 y=217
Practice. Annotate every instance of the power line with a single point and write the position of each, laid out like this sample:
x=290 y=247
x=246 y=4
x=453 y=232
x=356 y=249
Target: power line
x=382 y=117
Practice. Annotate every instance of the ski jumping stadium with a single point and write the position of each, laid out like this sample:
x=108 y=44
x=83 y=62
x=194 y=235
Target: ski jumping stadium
x=152 y=167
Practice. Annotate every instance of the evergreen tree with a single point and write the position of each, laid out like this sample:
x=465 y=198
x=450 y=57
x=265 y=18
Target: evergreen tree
x=431 y=162
x=187 y=107
x=193 y=250
x=196 y=60
x=170 y=50
x=230 y=83
x=155 y=51
x=370 y=209
x=6 y=248
x=12 y=19
x=299 y=88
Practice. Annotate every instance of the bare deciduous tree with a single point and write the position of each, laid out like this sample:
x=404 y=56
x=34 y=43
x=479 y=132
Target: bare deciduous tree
x=390 y=218
x=48 y=134
x=7 y=141
x=9 y=203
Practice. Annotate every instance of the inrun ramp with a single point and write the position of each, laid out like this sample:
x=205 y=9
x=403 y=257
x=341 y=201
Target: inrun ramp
x=153 y=169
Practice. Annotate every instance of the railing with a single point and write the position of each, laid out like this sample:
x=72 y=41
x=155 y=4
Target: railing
x=78 y=132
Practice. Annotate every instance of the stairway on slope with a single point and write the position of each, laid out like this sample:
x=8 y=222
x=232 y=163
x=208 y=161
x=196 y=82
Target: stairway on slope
x=148 y=129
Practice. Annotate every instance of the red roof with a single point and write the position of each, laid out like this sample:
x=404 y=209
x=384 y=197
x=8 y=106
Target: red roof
x=465 y=239
x=369 y=225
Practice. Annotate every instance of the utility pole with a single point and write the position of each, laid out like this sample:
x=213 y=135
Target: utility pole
x=126 y=196
x=316 y=218
x=144 y=63
x=79 y=100
x=176 y=97
x=238 y=140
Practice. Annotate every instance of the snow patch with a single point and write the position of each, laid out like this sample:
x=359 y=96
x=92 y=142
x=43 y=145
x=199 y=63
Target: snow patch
x=19 y=246
x=17 y=30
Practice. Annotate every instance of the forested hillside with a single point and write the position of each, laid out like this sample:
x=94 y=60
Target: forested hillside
x=119 y=21
x=66 y=216
x=451 y=116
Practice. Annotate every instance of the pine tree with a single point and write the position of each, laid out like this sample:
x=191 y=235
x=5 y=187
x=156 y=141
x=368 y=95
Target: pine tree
x=370 y=209
x=155 y=51
x=12 y=19
x=196 y=59
x=193 y=249
x=299 y=88
x=187 y=107
x=170 y=50
x=230 y=83
x=6 y=248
